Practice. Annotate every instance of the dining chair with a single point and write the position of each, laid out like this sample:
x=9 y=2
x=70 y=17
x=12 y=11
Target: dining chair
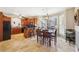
x=39 y=36
x=54 y=36
x=50 y=36
x=47 y=38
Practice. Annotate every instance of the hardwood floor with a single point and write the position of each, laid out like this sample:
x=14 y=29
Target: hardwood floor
x=20 y=44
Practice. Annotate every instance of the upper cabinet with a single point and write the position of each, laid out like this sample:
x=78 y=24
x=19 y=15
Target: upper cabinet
x=28 y=20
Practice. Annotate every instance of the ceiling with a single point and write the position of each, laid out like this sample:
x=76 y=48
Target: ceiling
x=31 y=11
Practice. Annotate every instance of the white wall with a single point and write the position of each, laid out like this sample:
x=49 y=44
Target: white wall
x=17 y=22
x=70 y=19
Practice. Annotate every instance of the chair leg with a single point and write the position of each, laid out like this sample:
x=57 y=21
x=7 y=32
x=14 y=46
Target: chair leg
x=43 y=41
x=37 y=38
x=49 y=42
x=55 y=41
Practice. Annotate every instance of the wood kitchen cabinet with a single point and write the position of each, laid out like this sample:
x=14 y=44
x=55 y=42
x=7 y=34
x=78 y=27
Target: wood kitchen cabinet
x=5 y=27
x=28 y=20
x=15 y=30
x=1 y=26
